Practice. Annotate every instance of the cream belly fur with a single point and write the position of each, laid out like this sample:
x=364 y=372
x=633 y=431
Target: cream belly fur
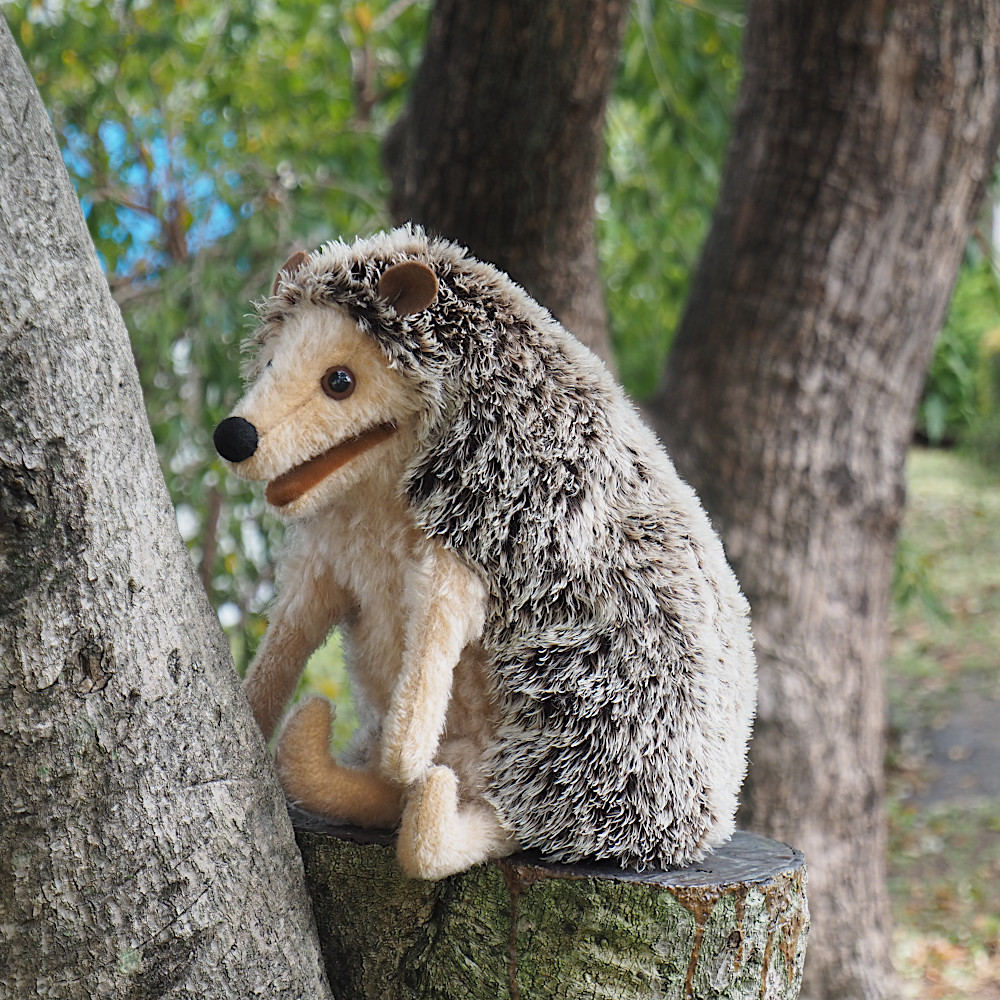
x=404 y=765
x=548 y=648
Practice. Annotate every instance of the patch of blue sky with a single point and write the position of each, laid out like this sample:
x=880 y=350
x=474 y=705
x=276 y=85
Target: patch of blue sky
x=74 y=152
x=135 y=174
x=137 y=233
x=115 y=139
x=167 y=170
x=218 y=222
x=199 y=187
x=139 y=227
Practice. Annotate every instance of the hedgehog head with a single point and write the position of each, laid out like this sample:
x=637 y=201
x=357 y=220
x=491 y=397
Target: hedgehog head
x=325 y=408
x=404 y=355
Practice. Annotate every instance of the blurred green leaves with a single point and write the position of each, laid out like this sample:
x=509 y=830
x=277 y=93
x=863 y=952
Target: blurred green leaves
x=957 y=393
x=668 y=125
x=205 y=141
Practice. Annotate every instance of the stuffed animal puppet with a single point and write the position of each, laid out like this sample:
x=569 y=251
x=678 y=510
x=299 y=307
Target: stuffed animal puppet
x=547 y=647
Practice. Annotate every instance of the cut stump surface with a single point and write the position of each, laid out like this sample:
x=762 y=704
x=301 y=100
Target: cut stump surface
x=732 y=926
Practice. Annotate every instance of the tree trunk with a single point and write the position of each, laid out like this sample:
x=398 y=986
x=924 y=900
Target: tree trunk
x=501 y=140
x=144 y=846
x=863 y=143
x=731 y=927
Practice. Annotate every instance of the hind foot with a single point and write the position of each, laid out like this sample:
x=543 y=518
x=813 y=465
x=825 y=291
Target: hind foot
x=438 y=837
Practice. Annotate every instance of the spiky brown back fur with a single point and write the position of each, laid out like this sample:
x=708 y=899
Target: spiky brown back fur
x=617 y=635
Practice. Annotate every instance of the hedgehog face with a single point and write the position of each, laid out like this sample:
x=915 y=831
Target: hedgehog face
x=325 y=413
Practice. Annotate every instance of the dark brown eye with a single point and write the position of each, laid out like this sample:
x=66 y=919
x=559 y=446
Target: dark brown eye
x=338 y=382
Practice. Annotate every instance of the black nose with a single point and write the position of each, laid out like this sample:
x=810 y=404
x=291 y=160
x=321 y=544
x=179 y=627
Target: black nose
x=235 y=439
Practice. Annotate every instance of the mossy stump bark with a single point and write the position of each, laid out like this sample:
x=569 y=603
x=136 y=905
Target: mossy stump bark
x=733 y=926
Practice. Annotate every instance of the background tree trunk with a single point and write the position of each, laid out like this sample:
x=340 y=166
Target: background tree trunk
x=502 y=137
x=863 y=143
x=145 y=850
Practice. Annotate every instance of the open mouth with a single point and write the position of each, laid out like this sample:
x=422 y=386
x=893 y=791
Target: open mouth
x=290 y=485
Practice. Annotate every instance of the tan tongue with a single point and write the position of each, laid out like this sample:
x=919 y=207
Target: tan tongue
x=291 y=485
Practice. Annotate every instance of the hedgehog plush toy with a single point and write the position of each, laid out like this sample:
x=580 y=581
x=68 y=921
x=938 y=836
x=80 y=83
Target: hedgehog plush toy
x=546 y=645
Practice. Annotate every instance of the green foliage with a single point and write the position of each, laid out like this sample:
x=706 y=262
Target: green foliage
x=206 y=141
x=951 y=546
x=952 y=398
x=325 y=674
x=668 y=124
x=982 y=438
x=912 y=580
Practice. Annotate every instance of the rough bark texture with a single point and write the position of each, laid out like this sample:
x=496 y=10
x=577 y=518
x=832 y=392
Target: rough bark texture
x=145 y=849
x=501 y=140
x=863 y=143
x=731 y=927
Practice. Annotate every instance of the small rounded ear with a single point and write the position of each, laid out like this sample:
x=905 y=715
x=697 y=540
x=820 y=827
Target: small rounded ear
x=409 y=287
x=289 y=267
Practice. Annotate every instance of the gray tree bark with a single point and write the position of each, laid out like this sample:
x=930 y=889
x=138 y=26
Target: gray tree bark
x=145 y=850
x=863 y=143
x=501 y=139
x=731 y=927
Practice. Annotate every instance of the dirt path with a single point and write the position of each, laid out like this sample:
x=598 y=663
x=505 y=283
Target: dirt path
x=963 y=748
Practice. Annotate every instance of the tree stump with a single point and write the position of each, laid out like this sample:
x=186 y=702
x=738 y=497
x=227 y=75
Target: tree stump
x=733 y=926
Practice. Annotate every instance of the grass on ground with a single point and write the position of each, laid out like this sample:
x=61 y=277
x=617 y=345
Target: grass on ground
x=944 y=851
